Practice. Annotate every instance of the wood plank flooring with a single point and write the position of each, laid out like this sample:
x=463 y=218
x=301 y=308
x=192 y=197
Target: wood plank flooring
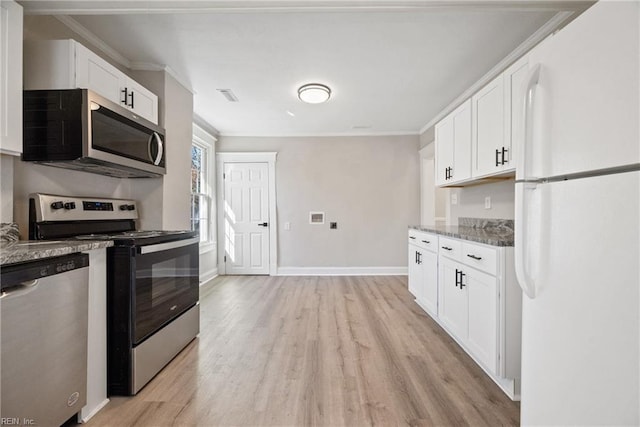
x=324 y=351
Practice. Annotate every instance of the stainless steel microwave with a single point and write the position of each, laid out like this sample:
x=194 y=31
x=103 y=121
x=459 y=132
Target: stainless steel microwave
x=79 y=129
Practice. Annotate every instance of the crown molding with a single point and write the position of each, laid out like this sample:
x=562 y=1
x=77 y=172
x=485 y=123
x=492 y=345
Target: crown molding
x=88 y=7
x=151 y=66
x=87 y=34
x=557 y=21
x=316 y=134
x=98 y=43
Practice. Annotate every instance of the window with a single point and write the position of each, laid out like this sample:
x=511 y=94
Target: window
x=202 y=185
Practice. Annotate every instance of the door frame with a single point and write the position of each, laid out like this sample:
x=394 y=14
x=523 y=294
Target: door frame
x=257 y=157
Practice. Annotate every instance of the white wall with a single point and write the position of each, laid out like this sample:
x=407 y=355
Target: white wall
x=368 y=185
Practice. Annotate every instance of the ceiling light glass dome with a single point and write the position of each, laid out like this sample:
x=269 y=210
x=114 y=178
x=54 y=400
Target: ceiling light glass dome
x=314 y=93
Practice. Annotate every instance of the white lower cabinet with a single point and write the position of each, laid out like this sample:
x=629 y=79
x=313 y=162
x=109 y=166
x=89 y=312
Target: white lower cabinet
x=423 y=270
x=475 y=297
x=482 y=335
x=454 y=302
x=415 y=270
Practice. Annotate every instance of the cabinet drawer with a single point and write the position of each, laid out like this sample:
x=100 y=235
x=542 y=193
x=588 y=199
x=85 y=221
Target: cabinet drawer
x=450 y=248
x=424 y=240
x=481 y=257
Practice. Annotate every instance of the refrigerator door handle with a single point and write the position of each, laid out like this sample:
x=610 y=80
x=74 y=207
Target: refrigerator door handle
x=522 y=253
x=527 y=120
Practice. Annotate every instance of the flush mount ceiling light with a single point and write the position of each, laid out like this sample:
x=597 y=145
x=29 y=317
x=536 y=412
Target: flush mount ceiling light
x=314 y=93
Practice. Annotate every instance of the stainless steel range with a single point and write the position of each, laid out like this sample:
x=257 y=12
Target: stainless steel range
x=152 y=282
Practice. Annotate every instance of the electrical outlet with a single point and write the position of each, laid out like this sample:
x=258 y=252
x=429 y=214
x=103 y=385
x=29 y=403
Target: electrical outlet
x=287 y=225
x=454 y=198
x=487 y=202
x=333 y=225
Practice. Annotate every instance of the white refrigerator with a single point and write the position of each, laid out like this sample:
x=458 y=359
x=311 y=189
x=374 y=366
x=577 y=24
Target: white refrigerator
x=578 y=223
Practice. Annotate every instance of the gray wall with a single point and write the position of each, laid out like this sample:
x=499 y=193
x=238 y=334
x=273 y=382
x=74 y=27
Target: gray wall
x=471 y=201
x=368 y=185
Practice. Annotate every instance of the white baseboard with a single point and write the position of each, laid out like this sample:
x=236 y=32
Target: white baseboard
x=342 y=271
x=84 y=418
x=208 y=275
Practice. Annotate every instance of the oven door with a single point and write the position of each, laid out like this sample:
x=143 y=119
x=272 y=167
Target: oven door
x=166 y=284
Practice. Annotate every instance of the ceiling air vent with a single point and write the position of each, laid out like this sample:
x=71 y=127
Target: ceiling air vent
x=228 y=93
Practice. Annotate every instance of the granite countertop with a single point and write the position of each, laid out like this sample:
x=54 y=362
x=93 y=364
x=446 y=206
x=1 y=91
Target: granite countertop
x=490 y=232
x=28 y=250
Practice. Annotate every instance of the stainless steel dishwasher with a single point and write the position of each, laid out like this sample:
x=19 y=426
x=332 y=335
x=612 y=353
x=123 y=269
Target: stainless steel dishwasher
x=43 y=356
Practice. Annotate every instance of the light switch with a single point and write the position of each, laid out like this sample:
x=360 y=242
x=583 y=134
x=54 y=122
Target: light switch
x=487 y=202
x=454 y=198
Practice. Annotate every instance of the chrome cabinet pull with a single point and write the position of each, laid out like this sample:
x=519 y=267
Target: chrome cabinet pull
x=474 y=257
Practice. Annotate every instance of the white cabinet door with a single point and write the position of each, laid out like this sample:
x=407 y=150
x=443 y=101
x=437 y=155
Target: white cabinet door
x=444 y=150
x=142 y=101
x=461 y=142
x=10 y=78
x=453 y=146
x=514 y=93
x=488 y=129
x=96 y=74
x=415 y=271
x=429 y=295
x=453 y=308
x=482 y=338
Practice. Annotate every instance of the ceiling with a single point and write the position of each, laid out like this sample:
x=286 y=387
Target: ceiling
x=392 y=66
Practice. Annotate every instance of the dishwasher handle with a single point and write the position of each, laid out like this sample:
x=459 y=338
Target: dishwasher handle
x=20 y=290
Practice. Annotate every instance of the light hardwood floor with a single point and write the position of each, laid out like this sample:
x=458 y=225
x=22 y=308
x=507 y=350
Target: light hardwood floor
x=324 y=351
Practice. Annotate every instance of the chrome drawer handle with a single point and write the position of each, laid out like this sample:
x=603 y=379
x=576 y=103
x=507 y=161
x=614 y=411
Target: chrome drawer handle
x=474 y=257
x=447 y=248
x=426 y=241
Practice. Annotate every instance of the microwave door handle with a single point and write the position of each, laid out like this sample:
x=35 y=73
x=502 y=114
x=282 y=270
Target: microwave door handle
x=158 y=158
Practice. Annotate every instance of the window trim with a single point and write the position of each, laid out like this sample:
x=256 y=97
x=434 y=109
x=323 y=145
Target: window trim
x=205 y=141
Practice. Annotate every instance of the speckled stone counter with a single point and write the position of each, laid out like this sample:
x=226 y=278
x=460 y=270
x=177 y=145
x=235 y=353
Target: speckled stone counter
x=495 y=232
x=9 y=232
x=29 y=250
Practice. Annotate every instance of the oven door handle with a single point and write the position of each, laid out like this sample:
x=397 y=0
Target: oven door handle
x=169 y=245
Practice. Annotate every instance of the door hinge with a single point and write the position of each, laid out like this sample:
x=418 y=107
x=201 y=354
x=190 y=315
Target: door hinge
x=224 y=175
x=225 y=258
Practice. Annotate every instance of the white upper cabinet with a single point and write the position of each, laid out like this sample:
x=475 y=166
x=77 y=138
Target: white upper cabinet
x=10 y=78
x=66 y=64
x=453 y=146
x=514 y=92
x=488 y=136
x=491 y=134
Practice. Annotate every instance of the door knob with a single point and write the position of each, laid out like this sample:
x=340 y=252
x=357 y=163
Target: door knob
x=263 y=224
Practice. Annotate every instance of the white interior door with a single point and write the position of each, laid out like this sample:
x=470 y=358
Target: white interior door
x=246 y=218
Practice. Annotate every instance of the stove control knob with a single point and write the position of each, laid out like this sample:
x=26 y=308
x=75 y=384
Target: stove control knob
x=57 y=205
x=131 y=207
x=70 y=205
x=123 y=207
